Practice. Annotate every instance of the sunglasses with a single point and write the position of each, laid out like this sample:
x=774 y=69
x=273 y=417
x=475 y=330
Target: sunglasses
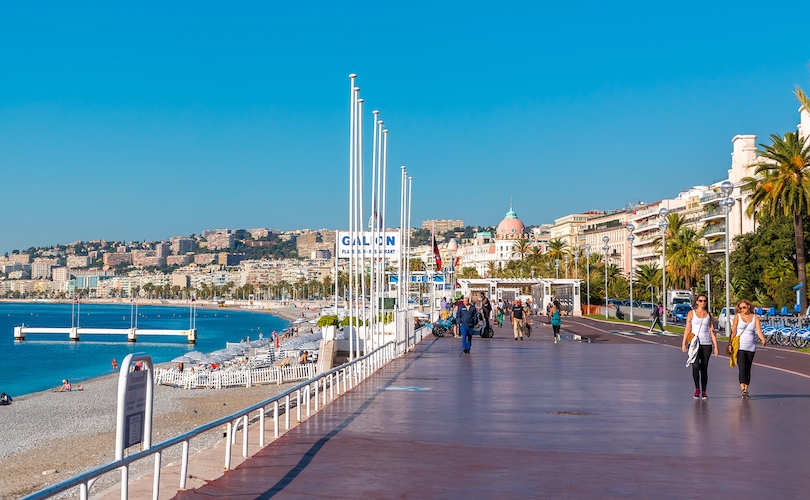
x=701 y=300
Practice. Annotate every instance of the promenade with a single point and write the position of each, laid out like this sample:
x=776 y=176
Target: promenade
x=535 y=419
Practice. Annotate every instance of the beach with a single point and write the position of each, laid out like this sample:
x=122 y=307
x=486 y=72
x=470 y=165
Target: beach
x=47 y=437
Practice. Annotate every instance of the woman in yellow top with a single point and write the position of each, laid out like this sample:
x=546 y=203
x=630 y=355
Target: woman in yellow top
x=745 y=329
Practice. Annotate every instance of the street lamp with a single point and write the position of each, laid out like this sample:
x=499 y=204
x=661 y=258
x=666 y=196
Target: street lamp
x=606 y=248
x=557 y=268
x=728 y=203
x=565 y=260
x=663 y=225
x=452 y=248
x=588 y=275
x=630 y=237
x=576 y=263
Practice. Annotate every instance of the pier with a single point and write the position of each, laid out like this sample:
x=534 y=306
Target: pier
x=132 y=334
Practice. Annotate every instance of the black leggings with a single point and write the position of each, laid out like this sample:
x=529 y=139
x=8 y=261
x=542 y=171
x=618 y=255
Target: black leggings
x=556 y=329
x=700 y=368
x=744 y=361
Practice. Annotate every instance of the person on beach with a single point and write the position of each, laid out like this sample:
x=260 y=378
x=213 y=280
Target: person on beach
x=655 y=317
x=65 y=386
x=744 y=329
x=5 y=399
x=115 y=365
x=699 y=322
x=517 y=319
x=180 y=367
x=466 y=317
x=556 y=320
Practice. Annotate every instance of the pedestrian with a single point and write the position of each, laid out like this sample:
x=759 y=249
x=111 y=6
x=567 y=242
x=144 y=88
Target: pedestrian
x=486 y=310
x=466 y=317
x=445 y=308
x=556 y=320
x=699 y=322
x=745 y=328
x=655 y=317
x=517 y=319
x=456 y=305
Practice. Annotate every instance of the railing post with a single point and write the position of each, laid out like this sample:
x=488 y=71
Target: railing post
x=298 y=406
x=245 y=435
x=275 y=418
x=261 y=426
x=156 y=478
x=228 y=445
x=309 y=397
x=287 y=412
x=184 y=465
x=318 y=401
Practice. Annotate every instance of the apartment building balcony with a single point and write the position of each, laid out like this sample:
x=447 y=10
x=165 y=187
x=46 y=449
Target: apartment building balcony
x=714 y=230
x=712 y=198
x=716 y=246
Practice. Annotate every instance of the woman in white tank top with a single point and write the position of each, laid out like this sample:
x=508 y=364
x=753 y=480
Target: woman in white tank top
x=699 y=322
x=746 y=329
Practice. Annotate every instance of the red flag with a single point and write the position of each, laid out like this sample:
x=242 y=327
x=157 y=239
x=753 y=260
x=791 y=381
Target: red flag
x=437 y=255
x=455 y=262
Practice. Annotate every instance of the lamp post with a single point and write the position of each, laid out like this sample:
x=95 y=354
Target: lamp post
x=587 y=248
x=606 y=248
x=576 y=263
x=630 y=237
x=728 y=203
x=663 y=225
x=565 y=260
x=452 y=247
x=557 y=268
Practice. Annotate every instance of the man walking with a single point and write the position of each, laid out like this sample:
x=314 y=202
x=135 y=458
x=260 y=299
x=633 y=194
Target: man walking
x=517 y=319
x=467 y=316
x=656 y=318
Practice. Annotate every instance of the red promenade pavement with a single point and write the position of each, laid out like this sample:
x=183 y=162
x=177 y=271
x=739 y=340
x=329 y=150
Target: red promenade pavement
x=531 y=419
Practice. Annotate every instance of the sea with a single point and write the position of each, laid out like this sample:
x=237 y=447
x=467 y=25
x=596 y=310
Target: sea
x=40 y=362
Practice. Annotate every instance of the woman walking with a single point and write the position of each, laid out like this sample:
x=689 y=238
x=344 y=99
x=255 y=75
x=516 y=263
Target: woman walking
x=699 y=323
x=556 y=320
x=743 y=332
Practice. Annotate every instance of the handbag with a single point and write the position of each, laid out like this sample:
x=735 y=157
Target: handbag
x=689 y=338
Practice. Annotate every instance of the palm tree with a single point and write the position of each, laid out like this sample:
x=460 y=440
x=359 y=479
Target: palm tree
x=781 y=186
x=648 y=276
x=686 y=255
x=522 y=247
x=802 y=97
x=557 y=248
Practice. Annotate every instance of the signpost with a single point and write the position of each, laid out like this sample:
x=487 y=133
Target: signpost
x=135 y=402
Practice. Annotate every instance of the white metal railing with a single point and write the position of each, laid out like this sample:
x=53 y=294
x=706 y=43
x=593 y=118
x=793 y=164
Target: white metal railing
x=319 y=390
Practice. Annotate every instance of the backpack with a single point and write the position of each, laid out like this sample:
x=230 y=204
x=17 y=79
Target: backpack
x=555 y=318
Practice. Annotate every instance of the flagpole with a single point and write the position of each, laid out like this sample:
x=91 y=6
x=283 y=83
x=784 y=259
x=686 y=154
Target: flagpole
x=383 y=209
x=352 y=131
x=372 y=223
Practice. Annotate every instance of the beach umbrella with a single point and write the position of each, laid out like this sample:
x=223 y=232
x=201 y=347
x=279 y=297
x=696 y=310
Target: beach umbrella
x=183 y=359
x=195 y=355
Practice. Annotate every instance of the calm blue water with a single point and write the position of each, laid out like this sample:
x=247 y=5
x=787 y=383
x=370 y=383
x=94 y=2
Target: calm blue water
x=42 y=361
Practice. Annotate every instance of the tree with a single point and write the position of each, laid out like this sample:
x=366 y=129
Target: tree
x=686 y=255
x=648 y=278
x=522 y=247
x=781 y=186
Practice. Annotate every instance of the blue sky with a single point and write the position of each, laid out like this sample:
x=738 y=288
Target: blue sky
x=156 y=119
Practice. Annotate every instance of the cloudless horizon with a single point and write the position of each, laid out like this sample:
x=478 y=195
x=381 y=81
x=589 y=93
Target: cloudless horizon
x=145 y=121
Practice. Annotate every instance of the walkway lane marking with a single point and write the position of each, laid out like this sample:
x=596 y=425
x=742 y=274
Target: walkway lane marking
x=636 y=338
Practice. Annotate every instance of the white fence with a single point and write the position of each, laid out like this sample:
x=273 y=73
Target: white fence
x=234 y=376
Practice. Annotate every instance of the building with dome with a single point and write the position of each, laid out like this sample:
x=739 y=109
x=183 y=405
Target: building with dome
x=488 y=250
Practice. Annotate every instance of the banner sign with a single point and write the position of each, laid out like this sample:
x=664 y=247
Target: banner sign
x=421 y=278
x=386 y=243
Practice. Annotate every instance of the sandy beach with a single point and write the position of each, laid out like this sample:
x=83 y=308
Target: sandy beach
x=47 y=437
